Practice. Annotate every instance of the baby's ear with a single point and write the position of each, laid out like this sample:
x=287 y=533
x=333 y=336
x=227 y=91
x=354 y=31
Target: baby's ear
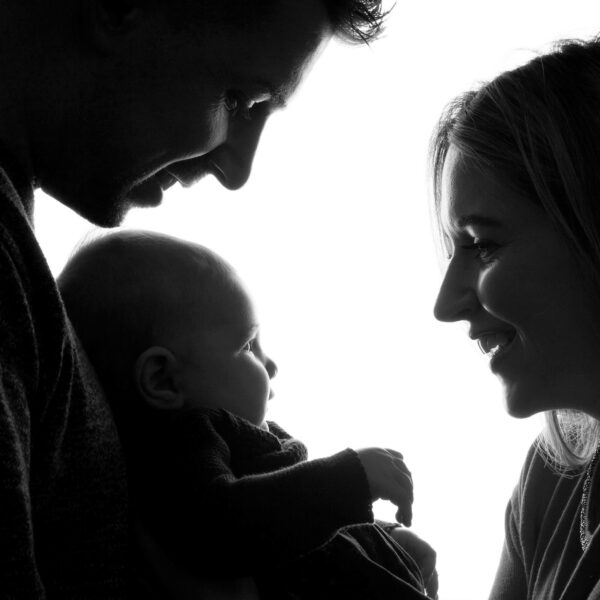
x=156 y=378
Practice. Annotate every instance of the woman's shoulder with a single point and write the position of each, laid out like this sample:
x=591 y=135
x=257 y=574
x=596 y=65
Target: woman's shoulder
x=544 y=500
x=541 y=481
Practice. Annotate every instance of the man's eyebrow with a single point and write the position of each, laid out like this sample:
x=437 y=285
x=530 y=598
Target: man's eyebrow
x=481 y=220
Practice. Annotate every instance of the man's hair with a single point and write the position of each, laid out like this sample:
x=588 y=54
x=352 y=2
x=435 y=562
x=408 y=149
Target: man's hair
x=537 y=129
x=125 y=292
x=354 y=21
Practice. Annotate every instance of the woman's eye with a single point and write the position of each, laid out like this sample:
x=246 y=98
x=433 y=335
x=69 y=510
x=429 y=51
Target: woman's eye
x=237 y=102
x=484 y=248
x=249 y=346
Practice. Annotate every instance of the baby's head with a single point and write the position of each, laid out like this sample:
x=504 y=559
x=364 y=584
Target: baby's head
x=168 y=325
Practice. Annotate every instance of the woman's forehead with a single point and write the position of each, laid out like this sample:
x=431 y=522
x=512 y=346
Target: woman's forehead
x=472 y=196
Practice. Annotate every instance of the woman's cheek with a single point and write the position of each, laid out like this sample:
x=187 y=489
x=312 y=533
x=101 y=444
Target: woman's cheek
x=498 y=291
x=514 y=292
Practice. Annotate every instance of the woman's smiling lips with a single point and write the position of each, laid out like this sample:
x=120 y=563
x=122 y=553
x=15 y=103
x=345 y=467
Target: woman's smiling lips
x=494 y=343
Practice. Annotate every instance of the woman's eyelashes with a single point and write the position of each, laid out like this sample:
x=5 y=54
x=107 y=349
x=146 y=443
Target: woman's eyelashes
x=484 y=249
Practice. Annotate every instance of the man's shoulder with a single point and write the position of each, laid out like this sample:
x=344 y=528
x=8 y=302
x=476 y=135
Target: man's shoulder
x=17 y=238
x=16 y=196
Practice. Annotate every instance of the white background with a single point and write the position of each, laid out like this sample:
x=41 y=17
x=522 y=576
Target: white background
x=332 y=236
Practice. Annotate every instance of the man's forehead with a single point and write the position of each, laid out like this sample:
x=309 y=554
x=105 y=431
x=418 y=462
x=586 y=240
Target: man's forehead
x=274 y=55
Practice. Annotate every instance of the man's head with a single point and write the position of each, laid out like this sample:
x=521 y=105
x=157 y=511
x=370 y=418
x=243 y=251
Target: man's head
x=168 y=325
x=135 y=95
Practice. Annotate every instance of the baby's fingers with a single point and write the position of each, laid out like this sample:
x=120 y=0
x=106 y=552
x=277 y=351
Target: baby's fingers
x=402 y=496
x=404 y=513
x=402 y=477
x=401 y=467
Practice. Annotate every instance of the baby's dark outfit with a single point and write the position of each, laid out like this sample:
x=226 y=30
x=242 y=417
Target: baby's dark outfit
x=229 y=499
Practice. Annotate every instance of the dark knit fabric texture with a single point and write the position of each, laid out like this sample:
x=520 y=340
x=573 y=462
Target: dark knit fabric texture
x=229 y=499
x=63 y=496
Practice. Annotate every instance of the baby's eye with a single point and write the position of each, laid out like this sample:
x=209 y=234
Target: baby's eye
x=236 y=102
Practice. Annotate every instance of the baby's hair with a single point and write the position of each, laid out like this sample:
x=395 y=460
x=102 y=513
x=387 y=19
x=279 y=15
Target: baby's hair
x=124 y=292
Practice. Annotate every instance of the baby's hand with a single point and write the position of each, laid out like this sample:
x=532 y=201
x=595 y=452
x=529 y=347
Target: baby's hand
x=390 y=479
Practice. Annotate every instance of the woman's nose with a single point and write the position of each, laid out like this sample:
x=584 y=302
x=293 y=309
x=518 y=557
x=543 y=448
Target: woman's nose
x=271 y=368
x=457 y=298
x=232 y=160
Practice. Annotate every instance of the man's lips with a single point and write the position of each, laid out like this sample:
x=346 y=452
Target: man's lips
x=188 y=172
x=165 y=179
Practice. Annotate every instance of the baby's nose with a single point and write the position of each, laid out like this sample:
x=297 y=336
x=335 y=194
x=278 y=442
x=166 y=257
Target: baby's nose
x=271 y=368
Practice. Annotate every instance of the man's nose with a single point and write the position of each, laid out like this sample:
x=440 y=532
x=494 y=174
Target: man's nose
x=457 y=298
x=232 y=160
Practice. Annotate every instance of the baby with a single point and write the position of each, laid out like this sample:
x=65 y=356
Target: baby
x=172 y=334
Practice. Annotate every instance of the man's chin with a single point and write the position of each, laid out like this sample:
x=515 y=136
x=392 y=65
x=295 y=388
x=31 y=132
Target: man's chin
x=108 y=206
x=101 y=209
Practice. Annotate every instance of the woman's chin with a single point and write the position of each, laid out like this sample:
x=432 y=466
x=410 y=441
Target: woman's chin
x=520 y=405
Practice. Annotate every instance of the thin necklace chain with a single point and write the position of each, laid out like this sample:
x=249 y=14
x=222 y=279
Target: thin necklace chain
x=584 y=531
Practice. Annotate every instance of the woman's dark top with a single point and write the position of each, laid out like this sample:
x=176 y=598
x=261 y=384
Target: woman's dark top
x=542 y=556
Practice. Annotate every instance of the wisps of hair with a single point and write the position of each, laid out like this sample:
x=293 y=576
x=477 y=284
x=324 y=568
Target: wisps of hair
x=354 y=21
x=357 y=21
x=569 y=440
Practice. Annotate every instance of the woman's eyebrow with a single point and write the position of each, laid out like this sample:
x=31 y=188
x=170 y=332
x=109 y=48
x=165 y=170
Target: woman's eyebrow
x=474 y=219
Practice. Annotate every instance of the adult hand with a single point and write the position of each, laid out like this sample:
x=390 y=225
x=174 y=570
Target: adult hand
x=389 y=479
x=167 y=580
x=422 y=553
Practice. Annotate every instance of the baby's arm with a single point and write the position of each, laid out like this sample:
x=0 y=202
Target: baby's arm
x=250 y=522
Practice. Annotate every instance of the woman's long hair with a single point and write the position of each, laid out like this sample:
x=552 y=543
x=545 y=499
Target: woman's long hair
x=537 y=129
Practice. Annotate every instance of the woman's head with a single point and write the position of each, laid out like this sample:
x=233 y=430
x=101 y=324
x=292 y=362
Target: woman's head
x=516 y=168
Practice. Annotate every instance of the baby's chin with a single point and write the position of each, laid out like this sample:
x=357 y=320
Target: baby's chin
x=264 y=425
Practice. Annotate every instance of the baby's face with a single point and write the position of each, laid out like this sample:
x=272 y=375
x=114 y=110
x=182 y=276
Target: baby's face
x=223 y=365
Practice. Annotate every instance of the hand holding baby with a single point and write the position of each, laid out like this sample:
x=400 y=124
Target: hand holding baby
x=389 y=479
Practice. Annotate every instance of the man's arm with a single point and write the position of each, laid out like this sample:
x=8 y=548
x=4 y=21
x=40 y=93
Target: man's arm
x=19 y=576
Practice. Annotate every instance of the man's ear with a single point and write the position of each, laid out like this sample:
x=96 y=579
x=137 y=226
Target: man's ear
x=109 y=20
x=156 y=381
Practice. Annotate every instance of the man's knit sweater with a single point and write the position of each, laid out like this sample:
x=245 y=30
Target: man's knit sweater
x=63 y=496
x=229 y=499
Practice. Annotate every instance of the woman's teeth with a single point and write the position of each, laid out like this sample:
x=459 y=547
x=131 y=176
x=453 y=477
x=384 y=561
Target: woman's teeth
x=492 y=343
